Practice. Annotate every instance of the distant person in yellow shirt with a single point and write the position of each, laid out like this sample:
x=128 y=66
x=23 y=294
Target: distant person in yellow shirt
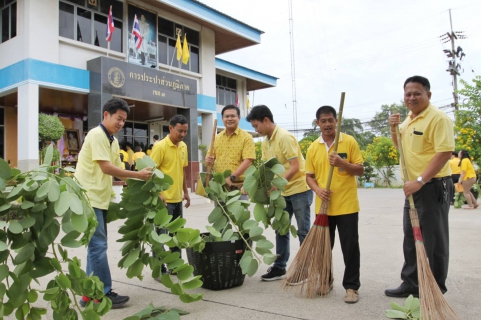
x=130 y=152
x=149 y=149
x=281 y=144
x=343 y=211
x=467 y=179
x=455 y=170
x=138 y=154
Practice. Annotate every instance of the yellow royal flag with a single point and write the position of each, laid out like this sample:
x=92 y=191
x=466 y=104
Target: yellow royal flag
x=178 y=47
x=185 y=51
x=248 y=103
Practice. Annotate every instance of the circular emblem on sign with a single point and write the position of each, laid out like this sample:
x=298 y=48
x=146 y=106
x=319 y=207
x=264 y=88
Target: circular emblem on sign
x=116 y=77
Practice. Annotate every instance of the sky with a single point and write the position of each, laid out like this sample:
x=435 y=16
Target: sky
x=366 y=48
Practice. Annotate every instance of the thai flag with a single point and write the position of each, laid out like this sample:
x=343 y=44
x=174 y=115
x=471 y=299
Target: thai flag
x=136 y=33
x=110 y=26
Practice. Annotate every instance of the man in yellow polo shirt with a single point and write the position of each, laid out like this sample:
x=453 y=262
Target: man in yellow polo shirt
x=170 y=155
x=343 y=211
x=233 y=148
x=427 y=138
x=281 y=144
x=98 y=161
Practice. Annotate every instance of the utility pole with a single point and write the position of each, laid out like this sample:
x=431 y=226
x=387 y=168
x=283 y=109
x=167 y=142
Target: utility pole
x=454 y=68
x=293 y=68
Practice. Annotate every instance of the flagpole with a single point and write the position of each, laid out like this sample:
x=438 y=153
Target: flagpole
x=172 y=61
x=108 y=48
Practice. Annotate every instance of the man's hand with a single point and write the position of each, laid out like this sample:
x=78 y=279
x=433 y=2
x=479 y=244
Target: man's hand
x=411 y=187
x=145 y=173
x=394 y=120
x=187 y=199
x=270 y=190
x=228 y=181
x=209 y=161
x=163 y=199
x=336 y=161
x=324 y=194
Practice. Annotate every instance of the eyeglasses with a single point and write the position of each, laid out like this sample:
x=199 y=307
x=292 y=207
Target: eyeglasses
x=230 y=116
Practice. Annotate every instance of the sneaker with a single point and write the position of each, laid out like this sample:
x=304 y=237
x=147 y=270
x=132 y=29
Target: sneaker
x=117 y=301
x=352 y=296
x=84 y=300
x=274 y=273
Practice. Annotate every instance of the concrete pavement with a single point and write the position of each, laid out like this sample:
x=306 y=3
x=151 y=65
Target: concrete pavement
x=380 y=229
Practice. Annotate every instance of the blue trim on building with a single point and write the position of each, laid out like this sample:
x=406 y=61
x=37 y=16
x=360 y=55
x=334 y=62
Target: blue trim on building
x=217 y=18
x=206 y=102
x=45 y=73
x=245 y=72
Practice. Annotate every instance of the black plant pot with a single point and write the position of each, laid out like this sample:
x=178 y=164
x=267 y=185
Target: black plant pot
x=218 y=264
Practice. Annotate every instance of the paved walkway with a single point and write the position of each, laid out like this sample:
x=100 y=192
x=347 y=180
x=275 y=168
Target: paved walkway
x=381 y=261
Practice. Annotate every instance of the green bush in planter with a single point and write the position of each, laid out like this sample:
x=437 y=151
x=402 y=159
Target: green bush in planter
x=50 y=128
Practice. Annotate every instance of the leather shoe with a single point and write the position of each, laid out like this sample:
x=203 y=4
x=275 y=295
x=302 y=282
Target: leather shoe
x=402 y=291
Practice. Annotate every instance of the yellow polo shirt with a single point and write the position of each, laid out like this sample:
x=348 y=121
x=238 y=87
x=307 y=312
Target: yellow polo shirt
x=467 y=166
x=171 y=160
x=138 y=155
x=344 y=198
x=230 y=151
x=284 y=146
x=454 y=165
x=97 y=147
x=126 y=155
x=424 y=136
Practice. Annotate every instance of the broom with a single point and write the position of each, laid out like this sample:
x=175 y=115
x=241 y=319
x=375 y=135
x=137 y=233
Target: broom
x=433 y=304
x=312 y=266
x=211 y=152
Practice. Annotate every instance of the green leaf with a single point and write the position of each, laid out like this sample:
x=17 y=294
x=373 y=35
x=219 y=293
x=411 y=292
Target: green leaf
x=269 y=258
x=79 y=222
x=26 y=205
x=185 y=273
x=176 y=224
x=192 y=284
x=255 y=231
x=294 y=231
x=43 y=190
x=131 y=258
x=275 y=194
x=167 y=281
x=245 y=261
x=3 y=272
x=227 y=234
x=15 y=227
x=249 y=224
x=5 y=170
x=408 y=302
x=278 y=169
x=266 y=244
x=6 y=206
x=3 y=184
x=3 y=246
x=53 y=191
x=159 y=173
x=48 y=155
x=260 y=212
x=396 y=306
x=75 y=204
x=25 y=253
x=279 y=182
x=396 y=314
x=213 y=231
x=62 y=204
x=252 y=268
x=215 y=215
x=135 y=270
x=27 y=222
x=63 y=281
x=250 y=184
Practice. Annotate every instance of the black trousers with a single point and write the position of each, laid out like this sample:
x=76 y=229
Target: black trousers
x=432 y=204
x=175 y=210
x=347 y=225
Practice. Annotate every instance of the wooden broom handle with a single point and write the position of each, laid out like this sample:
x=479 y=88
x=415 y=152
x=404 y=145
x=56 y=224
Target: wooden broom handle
x=403 y=162
x=211 y=151
x=336 y=141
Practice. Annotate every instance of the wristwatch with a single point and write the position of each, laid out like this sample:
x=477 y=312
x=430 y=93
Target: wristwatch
x=420 y=179
x=232 y=178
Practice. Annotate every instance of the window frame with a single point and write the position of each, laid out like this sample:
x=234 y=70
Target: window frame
x=95 y=12
x=3 y=6
x=187 y=67
x=219 y=85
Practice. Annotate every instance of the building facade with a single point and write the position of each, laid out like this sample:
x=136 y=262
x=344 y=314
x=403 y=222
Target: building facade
x=54 y=59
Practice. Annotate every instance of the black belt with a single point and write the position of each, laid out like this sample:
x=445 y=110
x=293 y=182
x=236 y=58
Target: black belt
x=439 y=179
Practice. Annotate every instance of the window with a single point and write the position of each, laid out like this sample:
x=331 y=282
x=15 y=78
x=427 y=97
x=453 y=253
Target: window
x=134 y=133
x=86 y=21
x=8 y=19
x=167 y=38
x=2 y=133
x=226 y=90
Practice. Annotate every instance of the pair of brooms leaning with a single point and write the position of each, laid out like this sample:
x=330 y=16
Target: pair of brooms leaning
x=311 y=269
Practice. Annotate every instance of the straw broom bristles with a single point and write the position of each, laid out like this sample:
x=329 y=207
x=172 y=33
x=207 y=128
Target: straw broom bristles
x=433 y=304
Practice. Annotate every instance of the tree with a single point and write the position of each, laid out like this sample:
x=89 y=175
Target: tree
x=379 y=124
x=353 y=127
x=468 y=120
x=383 y=155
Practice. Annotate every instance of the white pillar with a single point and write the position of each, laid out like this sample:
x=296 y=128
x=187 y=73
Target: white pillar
x=27 y=122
